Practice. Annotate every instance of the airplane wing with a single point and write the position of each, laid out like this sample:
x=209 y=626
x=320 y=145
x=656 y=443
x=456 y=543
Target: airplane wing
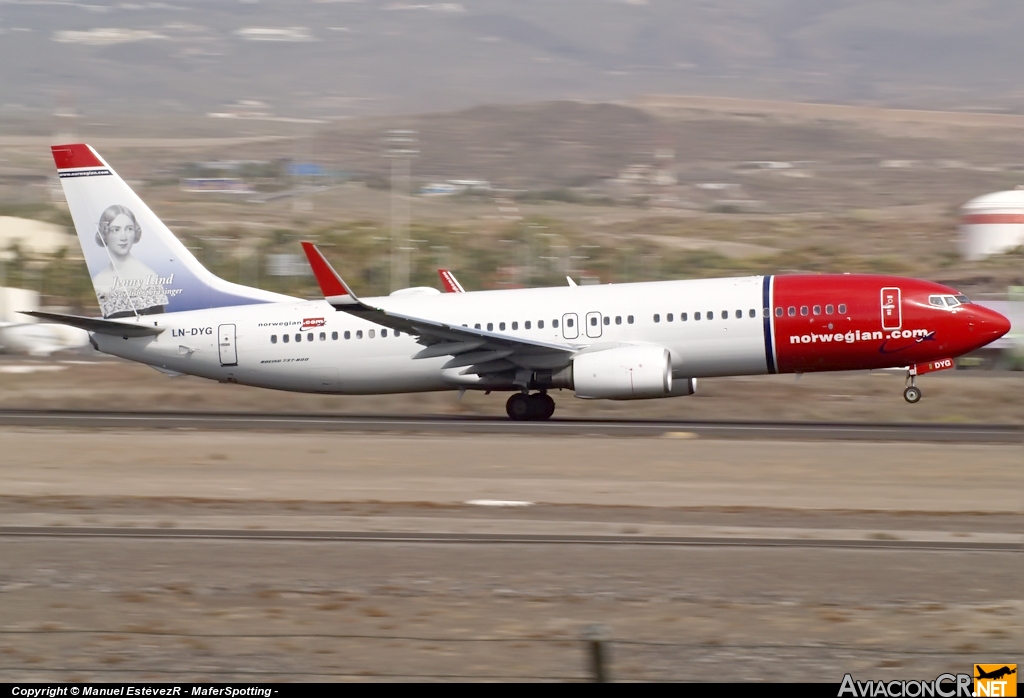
x=450 y=283
x=115 y=328
x=481 y=352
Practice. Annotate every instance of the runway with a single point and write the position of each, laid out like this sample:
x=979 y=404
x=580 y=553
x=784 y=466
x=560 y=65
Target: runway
x=490 y=539
x=240 y=421
x=304 y=545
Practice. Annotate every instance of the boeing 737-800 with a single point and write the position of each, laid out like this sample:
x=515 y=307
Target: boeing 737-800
x=161 y=307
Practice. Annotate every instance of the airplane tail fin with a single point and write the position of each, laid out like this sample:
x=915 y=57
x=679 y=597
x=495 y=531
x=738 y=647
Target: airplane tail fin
x=450 y=283
x=137 y=265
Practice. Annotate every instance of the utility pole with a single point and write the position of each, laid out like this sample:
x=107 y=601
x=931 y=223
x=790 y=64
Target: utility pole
x=401 y=151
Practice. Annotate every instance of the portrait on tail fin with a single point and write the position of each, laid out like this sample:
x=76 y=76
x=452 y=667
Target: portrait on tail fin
x=126 y=286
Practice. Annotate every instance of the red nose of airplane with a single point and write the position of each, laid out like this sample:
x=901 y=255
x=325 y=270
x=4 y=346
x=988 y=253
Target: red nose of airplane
x=987 y=325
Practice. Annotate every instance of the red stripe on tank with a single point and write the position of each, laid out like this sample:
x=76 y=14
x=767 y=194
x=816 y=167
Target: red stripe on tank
x=993 y=218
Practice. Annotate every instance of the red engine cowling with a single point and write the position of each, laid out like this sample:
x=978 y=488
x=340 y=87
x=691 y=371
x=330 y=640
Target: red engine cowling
x=623 y=373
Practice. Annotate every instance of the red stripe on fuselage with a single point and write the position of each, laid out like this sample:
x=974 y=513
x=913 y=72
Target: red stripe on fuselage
x=857 y=339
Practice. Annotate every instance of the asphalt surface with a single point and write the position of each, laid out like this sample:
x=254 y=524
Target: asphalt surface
x=812 y=431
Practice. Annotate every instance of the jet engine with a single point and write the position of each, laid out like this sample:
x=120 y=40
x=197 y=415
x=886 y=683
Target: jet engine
x=623 y=373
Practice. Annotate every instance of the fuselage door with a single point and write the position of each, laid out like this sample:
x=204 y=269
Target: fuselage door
x=226 y=345
x=570 y=326
x=892 y=311
x=593 y=325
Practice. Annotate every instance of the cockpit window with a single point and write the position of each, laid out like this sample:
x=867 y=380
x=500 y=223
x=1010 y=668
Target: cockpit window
x=951 y=301
x=964 y=300
x=936 y=301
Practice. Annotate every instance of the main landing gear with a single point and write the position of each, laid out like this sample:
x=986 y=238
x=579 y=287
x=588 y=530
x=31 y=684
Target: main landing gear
x=523 y=407
x=912 y=393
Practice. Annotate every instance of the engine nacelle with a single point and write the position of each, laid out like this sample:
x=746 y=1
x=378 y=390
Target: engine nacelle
x=623 y=373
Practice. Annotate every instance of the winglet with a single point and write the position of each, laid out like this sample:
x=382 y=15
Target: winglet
x=334 y=288
x=450 y=283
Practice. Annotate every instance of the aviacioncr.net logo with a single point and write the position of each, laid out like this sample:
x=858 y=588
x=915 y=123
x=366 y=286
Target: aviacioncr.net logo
x=943 y=686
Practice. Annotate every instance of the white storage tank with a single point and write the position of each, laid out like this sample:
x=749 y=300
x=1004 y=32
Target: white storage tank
x=992 y=223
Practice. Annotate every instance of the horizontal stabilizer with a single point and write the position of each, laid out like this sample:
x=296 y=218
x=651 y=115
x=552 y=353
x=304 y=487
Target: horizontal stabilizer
x=99 y=325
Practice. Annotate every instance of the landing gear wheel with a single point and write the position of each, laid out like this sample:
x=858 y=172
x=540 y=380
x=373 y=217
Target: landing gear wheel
x=543 y=406
x=519 y=407
x=912 y=394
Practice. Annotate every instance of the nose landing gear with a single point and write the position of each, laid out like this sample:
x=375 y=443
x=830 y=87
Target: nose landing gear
x=523 y=407
x=912 y=393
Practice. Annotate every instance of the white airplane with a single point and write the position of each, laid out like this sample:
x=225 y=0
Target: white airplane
x=161 y=307
x=23 y=335
x=40 y=338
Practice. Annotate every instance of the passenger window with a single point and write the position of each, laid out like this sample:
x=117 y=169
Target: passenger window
x=593 y=322
x=696 y=316
x=803 y=310
x=682 y=317
x=372 y=334
x=725 y=314
x=383 y=333
x=477 y=326
x=334 y=336
x=323 y=336
x=817 y=310
x=607 y=320
x=490 y=327
x=842 y=309
x=778 y=312
x=284 y=338
x=657 y=318
x=791 y=311
x=309 y=336
x=711 y=315
x=554 y=323
x=629 y=319
x=398 y=334
x=348 y=335
x=753 y=313
x=298 y=337
x=501 y=325
x=618 y=319
x=569 y=323
x=526 y=325
x=515 y=325
x=829 y=309
x=273 y=339
x=668 y=318
x=739 y=315
x=359 y=334
x=540 y=324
